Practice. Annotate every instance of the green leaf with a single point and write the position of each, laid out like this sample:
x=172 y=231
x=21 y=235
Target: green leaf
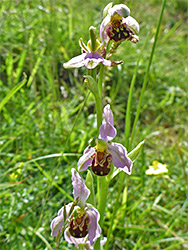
x=92 y=85
x=136 y=151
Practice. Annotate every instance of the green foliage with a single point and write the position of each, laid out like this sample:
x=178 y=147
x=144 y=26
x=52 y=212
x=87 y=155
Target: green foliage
x=47 y=121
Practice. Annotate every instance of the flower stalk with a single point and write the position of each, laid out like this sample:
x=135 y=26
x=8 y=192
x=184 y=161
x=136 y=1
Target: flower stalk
x=92 y=86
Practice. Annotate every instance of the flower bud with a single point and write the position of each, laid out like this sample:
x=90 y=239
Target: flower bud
x=93 y=44
x=105 y=11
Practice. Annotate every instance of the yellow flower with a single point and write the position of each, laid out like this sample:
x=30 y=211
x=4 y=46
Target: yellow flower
x=157 y=168
x=13 y=176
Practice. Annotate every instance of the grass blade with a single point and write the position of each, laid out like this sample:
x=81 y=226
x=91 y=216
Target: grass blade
x=13 y=92
x=128 y=111
x=147 y=73
x=35 y=69
x=20 y=66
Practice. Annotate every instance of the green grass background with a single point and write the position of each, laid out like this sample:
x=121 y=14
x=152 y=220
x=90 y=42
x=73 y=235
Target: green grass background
x=40 y=119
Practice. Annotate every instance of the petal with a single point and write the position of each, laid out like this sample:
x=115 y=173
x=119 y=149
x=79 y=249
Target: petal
x=58 y=222
x=85 y=160
x=114 y=63
x=94 y=228
x=103 y=241
x=91 y=63
x=72 y=240
x=132 y=24
x=107 y=131
x=80 y=190
x=84 y=241
x=119 y=157
x=93 y=59
x=108 y=115
x=103 y=26
x=150 y=171
x=56 y=225
x=121 y=9
x=75 y=62
x=106 y=62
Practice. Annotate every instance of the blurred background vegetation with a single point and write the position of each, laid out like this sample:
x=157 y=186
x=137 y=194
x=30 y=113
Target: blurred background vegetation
x=42 y=120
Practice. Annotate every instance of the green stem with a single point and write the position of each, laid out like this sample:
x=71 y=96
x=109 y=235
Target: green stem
x=120 y=181
x=102 y=183
x=100 y=81
x=103 y=191
x=102 y=198
x=101 y=72
x=93 y=86
x=98 y=105
x=93 y=73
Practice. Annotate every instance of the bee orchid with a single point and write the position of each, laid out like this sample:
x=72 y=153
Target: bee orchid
x=118 y=25
x=105 y=152
x=78 y=220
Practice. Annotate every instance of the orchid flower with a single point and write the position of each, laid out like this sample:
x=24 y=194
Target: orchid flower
x=92 y=54
x=100 y=156
x=78 y=220
x=118 y=25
